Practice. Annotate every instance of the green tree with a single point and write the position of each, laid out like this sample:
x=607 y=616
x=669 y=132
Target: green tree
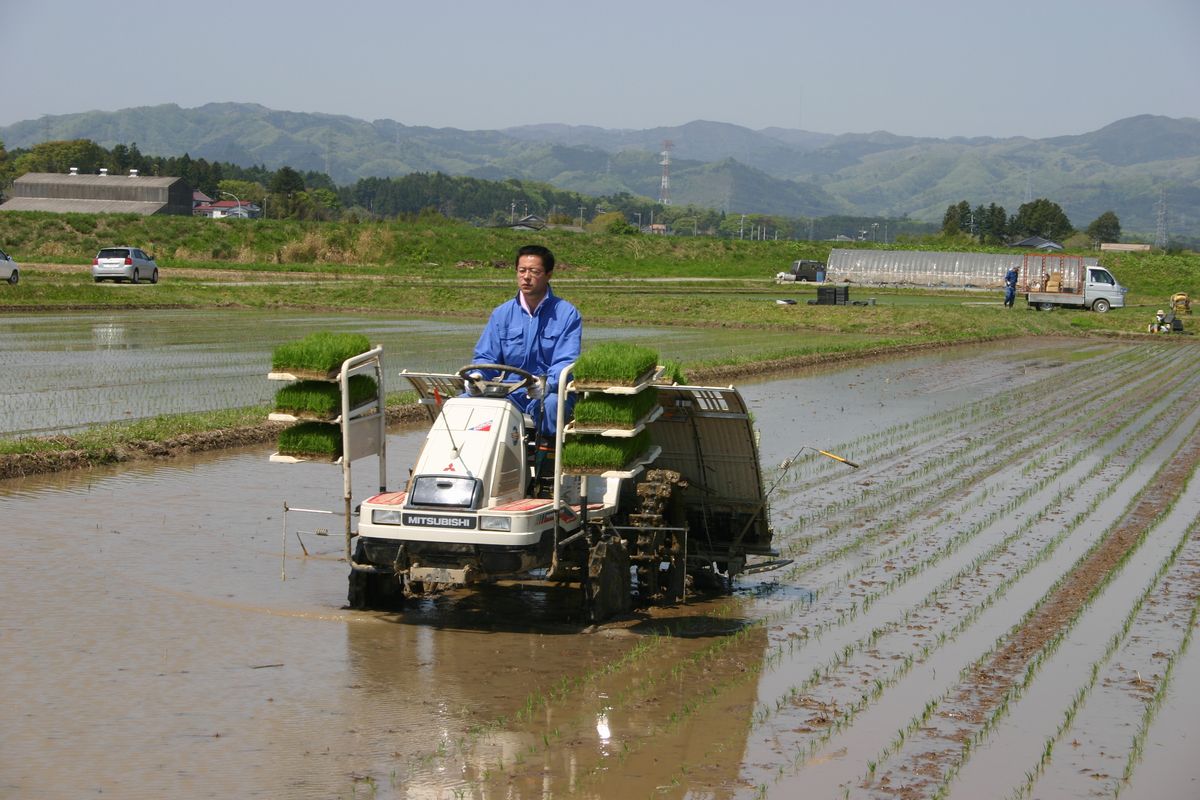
x=246 y=191
x=1043 y=218
x=601 y=222
x=60 y=156
x=622 y=227
x=1105 y=228
x=995 y=225
x=5 y=167
x=957 y=218
x=286 y=181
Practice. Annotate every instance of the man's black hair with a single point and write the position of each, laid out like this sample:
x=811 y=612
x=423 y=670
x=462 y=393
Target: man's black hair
x=539 y=251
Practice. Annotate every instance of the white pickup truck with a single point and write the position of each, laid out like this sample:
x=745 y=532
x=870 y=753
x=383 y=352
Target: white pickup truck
x=1049 y=281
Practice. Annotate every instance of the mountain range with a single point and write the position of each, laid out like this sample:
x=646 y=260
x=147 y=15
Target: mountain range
x=1145 y=168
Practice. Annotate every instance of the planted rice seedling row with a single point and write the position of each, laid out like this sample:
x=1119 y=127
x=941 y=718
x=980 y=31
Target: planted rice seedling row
x=926 y=746
x=948 y=469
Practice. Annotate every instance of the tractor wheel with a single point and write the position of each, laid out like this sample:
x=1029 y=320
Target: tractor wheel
x=608 y=584
x=372 y=590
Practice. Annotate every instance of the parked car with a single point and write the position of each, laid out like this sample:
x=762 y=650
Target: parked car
x=124 y=263
x=9 y=270
x=803 y=271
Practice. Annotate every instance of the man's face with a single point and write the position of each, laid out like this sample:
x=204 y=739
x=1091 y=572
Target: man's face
x=532 y=279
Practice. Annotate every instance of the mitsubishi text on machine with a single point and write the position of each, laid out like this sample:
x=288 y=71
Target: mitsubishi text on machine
x=439 y=521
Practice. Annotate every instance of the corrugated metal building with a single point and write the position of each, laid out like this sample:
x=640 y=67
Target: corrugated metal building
x=99 y=194
x=923 y=268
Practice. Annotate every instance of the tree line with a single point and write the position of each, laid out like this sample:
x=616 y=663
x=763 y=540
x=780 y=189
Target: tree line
x=1040 y=217
x=286 y=193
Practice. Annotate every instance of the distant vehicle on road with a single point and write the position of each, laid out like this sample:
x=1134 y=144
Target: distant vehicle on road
x=802 y=271
x=124 y=263
x=9 y=270
x=1050 y=281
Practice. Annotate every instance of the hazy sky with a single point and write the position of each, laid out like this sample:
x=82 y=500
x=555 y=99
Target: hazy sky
x=924 y=67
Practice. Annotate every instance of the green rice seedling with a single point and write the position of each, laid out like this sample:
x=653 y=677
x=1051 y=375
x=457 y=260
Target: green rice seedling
x=321 y=398
x=598 y=454
x=673 y=373
x=614 y=364
x=614 y=410
x=319 y=439
x=321 y=352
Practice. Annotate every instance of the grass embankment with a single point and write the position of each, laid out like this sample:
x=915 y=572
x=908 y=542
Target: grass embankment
x=433 y=248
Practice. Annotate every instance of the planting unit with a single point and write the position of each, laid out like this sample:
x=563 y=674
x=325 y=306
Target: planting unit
x=488 y=501
x=358 y=425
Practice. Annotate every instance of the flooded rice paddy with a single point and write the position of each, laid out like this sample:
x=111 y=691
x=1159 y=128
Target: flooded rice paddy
x=999 y=603
x=59 y=373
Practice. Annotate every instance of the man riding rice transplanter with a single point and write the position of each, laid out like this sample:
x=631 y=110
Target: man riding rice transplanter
x=537 y=331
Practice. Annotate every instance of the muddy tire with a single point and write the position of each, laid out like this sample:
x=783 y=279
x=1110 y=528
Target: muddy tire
x=372 y=590
x=608 y=588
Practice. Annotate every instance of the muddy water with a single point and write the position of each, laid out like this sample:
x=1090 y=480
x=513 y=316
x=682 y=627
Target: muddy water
x=166 y=632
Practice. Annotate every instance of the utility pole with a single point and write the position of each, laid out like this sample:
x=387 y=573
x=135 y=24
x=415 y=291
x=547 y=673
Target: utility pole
x=581 y=216
x=742 y=227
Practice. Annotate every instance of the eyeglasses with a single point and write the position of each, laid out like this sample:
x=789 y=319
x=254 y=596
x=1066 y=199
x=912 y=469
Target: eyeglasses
x=534 y=273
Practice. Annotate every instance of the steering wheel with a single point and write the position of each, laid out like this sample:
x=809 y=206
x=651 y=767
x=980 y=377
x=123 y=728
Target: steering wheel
x=497 y=386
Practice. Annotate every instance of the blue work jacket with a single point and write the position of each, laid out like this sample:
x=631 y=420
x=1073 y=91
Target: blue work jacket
x=542 y=343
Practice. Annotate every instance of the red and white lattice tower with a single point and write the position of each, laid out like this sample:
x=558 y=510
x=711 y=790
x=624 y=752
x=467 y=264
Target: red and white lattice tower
x=664 y=188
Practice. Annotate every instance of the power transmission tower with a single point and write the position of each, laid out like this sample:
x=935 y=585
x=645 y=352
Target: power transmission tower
x=664 y=188
x=1160 y=235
